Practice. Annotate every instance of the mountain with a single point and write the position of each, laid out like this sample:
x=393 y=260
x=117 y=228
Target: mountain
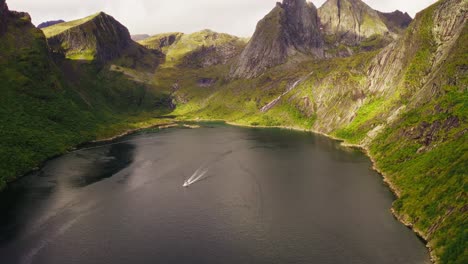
x=99 y=38
x=49 y=23
x=200 y=49
x=351 y=21
x=396 y=21
x=291 y=28
x=50 y=104
x=139 y=37
x=161 y=41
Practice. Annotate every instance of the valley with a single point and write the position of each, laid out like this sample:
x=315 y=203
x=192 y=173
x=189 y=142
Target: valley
x=395 y=87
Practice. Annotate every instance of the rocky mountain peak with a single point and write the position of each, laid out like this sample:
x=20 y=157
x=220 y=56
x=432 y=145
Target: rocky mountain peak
x=351 y=21
x=98 y=37
x=397 y=20
x=291 y=27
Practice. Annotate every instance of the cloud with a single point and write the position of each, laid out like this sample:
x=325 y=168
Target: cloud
x=237 y=17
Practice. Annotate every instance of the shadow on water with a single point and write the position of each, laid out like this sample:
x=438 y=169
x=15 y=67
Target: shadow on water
x=285 y=139
x=23 y=198
x=118 y=157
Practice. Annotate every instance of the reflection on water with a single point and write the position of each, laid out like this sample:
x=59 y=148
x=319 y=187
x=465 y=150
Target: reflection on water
x=261 y=196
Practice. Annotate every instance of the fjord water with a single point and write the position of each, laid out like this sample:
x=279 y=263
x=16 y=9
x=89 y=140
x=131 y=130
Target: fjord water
x=266 y=196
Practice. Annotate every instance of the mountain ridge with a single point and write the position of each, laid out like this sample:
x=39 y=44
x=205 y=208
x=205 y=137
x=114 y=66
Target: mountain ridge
x=50 y=23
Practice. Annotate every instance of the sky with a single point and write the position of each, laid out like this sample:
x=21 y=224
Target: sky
x=237 y=17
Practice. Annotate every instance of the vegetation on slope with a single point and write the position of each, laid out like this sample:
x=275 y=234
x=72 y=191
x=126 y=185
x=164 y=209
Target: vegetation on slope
x=199 y=48
x=47 y=109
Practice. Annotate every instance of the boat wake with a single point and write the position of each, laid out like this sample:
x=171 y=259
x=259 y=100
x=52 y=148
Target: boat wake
x=197 y=176
x=201 y=173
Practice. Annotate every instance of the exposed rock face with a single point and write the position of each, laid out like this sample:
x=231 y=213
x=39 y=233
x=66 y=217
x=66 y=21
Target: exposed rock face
x=388 y=68
x=291 y=27
x=50 y=23
x=396 y=21
x=351 y=21
x=139 y=37
x=101 y=36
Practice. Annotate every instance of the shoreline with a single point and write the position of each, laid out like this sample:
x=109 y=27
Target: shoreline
x=384 y=176
x=80 y=145
x=130 y=132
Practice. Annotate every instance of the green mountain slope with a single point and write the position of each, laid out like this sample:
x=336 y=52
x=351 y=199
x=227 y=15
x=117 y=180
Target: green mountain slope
x=48 y=106
x=200 y=49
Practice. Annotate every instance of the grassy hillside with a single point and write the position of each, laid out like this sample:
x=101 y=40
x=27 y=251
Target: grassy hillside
x=61 y=27
x=48 y=108
x=178 y=46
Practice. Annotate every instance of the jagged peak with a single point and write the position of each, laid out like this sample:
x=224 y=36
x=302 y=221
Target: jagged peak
x=292 y=27
x=396 y=20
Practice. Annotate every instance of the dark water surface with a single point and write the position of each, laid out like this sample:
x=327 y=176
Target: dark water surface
x=267 y=196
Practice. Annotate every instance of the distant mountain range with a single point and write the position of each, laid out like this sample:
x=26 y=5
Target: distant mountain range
x=49 y=23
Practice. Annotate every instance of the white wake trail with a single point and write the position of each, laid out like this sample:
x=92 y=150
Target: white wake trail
x=197 y=176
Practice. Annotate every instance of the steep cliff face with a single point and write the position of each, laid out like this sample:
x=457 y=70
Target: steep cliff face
x=351 y=21
x=292 y=27
x=99 y=38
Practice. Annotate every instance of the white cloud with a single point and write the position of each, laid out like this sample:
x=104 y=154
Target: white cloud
x=237 y=17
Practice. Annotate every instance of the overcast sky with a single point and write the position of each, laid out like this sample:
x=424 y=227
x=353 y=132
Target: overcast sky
x=237 y=17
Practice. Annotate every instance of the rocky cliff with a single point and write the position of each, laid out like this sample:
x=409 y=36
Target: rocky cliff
x=292 y=27
x=351 y=21
x=99 y=38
